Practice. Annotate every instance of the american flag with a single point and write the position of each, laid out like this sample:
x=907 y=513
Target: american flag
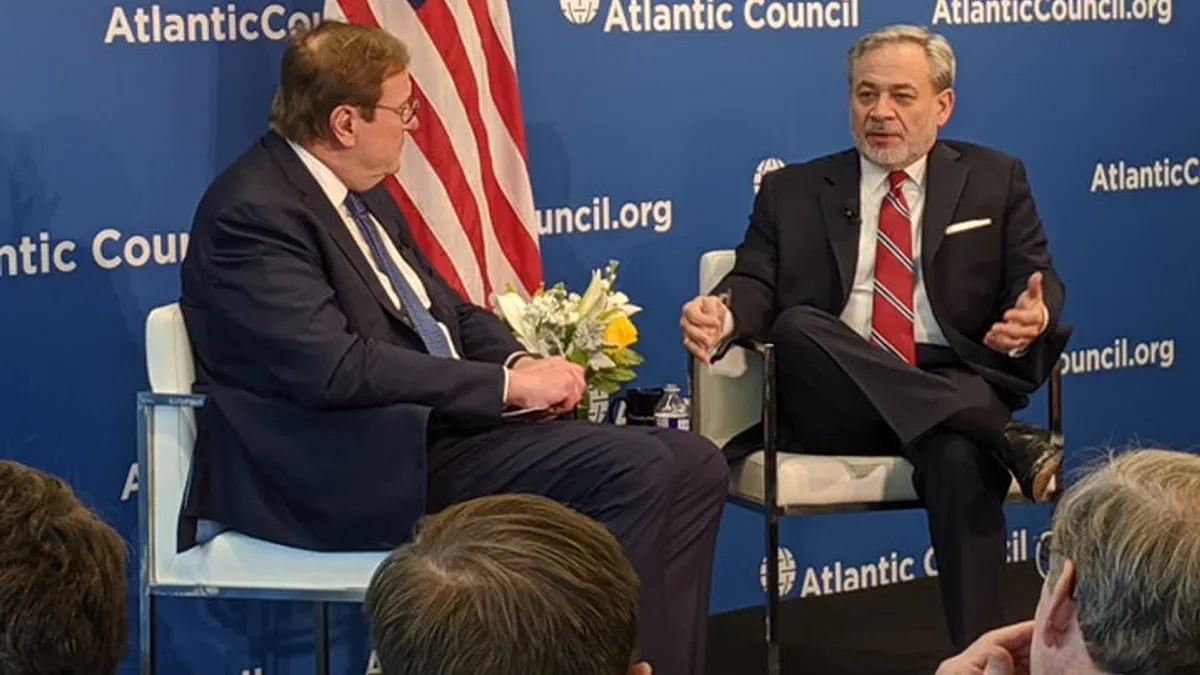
x=463 y=184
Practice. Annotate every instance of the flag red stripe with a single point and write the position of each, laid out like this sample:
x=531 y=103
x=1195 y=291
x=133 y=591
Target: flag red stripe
x=502 y=78
x=514 y=239
x=424 y=236
x=359 y=12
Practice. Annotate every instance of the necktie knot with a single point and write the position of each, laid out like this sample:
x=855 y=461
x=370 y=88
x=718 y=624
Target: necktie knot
x=354 y=202
x=897 y=178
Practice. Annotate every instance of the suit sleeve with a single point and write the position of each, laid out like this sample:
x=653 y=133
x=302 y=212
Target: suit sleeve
x=750 y=285
x=269 y=294
x=1026 y=250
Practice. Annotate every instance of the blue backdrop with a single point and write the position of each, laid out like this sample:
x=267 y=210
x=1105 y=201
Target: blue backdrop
x=108 y=138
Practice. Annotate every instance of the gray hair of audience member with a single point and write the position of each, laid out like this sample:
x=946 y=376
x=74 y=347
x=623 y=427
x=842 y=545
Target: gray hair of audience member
x=942 y=63
x=1132 y=529
x=505 y=585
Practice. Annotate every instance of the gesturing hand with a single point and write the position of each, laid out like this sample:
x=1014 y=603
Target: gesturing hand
x=702 y=322
x=1022 y=324
x=1003 y=651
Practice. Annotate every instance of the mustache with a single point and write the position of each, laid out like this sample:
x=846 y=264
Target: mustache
x=879 y=129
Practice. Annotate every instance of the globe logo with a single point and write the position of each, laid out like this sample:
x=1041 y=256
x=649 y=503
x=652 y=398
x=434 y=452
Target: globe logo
x=579 y=12
x=787 y=572
x=764 y=167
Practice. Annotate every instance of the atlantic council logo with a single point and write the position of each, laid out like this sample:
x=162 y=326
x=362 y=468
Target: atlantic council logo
x=580 y=11
x=702 y=16
x=765 y=167
x=787 y=572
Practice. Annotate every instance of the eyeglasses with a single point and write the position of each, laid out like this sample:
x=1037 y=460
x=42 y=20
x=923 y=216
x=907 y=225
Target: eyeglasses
x=407 y=110
x=1044 y=551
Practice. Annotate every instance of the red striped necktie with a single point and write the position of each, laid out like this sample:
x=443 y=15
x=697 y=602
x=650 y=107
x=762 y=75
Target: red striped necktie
x=892 y=316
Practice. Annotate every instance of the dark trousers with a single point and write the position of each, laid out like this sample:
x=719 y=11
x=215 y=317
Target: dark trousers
x=841 y=395
x=660 y=491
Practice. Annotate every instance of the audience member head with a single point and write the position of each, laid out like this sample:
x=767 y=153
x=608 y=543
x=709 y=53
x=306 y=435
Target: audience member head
x=901 y=93
x=346 y=94
x=506 y=585
x=62 y=580
x=1123 y=591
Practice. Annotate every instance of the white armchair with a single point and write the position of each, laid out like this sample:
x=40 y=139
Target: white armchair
x=231 y=565
x=783 y=483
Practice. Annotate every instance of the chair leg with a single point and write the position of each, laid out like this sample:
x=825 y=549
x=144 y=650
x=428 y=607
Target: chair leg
x=321 y=630
x=146 y=615
x=772 y=591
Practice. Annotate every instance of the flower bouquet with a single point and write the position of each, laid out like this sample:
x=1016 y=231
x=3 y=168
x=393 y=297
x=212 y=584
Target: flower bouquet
x=592 y=330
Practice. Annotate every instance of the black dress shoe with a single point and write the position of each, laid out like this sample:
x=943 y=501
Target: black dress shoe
x=1034 y=459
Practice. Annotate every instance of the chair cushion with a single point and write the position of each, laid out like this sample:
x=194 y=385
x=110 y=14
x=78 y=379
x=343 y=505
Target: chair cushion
x=829 y=480
x=233 y=560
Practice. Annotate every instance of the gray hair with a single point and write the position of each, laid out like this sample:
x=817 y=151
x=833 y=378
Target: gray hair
x=1132 y=529
x=937 y=48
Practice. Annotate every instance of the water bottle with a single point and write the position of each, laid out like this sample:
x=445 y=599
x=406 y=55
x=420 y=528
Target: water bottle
x=672 y=411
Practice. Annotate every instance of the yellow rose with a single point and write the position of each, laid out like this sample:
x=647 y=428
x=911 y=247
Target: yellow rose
x=620 y=332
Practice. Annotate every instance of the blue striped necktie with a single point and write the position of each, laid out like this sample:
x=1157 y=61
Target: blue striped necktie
x=423 y=321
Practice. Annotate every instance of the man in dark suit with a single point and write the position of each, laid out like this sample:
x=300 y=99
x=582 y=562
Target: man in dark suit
x=351 y=389
x=909 y=291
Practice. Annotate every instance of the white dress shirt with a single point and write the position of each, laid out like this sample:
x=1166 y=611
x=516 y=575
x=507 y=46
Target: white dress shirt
x=336 y=191
x=872 y=189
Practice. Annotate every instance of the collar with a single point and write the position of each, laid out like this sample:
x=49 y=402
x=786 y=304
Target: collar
x=331 y=185
x=875 y=177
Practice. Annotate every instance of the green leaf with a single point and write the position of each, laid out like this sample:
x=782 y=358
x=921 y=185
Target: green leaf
x=620 y=374
x=579 y=358
x=628 y=357
x=605 y=385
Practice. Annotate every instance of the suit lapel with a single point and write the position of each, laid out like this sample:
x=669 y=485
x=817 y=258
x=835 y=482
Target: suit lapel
x=316 y=200
x=840 y=208
x=944 y=185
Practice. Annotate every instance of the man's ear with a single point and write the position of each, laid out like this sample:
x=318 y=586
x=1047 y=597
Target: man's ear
x=1060 y=607
x=640 y=668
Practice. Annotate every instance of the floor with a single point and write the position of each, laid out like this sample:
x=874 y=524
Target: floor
x=890 y=630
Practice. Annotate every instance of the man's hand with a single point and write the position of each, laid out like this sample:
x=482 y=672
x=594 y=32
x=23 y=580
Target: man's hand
x=1022 y=324
x=553 y=382
x=1004 y=651
x=703 y=324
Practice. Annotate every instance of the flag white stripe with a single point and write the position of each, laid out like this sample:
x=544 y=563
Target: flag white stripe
x=427 y=192
x=506 y=158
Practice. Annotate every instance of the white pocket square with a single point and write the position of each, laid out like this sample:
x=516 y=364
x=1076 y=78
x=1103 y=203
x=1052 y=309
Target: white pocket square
x=967 y=225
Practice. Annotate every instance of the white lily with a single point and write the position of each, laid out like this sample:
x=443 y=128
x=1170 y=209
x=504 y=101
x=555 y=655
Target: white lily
x=512 y=308
x=592 y=296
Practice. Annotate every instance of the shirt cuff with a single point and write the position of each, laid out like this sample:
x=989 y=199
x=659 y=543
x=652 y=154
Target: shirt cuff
x=508 y=364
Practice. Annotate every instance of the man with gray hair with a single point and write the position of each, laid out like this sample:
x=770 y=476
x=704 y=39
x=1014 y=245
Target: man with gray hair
x=1123 y=591
x=908 y=287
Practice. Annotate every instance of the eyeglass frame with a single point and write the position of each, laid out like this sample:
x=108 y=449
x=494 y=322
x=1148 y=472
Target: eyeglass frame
x=1044 y=554
x=407 y=110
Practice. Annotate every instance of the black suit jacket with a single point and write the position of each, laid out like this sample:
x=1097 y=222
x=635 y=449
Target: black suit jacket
x=321 y=398
x=801 y=248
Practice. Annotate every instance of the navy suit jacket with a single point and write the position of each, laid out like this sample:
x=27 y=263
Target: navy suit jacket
x=801 y=249
x=321 y=398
